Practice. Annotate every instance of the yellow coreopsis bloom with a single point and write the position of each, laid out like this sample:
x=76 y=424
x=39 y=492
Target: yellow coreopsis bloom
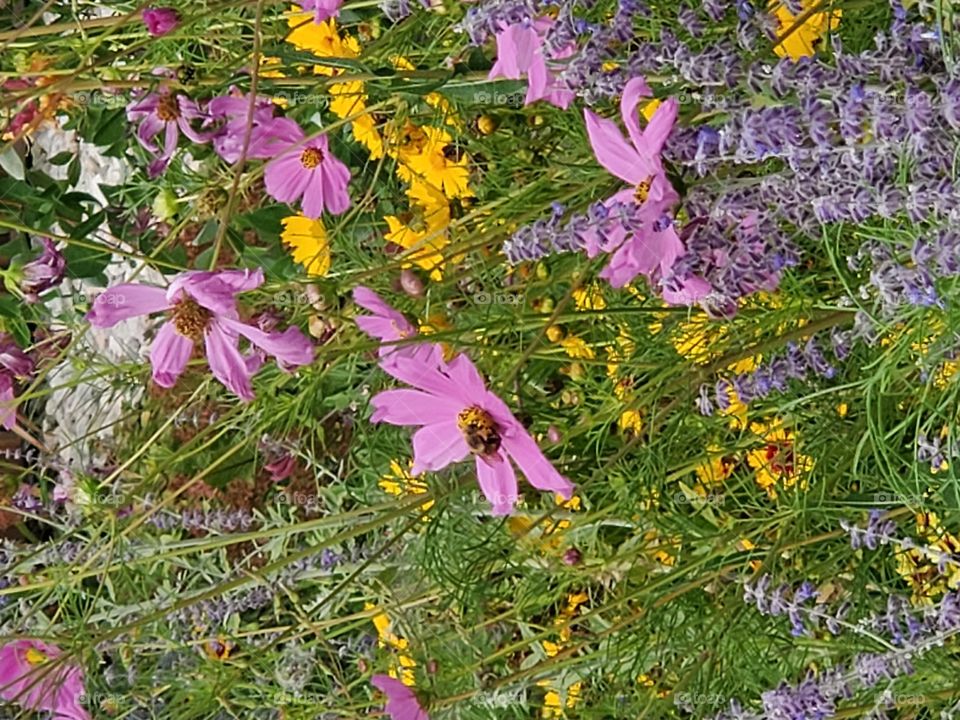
x=778 y=461
x=715 y=470
x=307 y=239
x=439 y=164
x=321 y=39
x=802 y=40
x=399 y=482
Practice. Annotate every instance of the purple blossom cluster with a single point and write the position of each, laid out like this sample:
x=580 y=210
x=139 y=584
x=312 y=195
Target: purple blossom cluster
x=193 y=519
x=799 y=362
x=554 y=235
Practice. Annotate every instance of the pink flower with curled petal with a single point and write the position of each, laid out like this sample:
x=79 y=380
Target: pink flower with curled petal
x=160 y=21
x=306 y=168
x=168 y=114
x=457 y=417
x=231 y=115
x=33 y=676
x=387 y=325
x=635 y=159
x=521 y=52
x=323 y=9
x=402 y=703
x=201 y=306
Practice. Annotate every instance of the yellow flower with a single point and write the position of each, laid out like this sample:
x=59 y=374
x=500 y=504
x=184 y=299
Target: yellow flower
x=439 y=163
x=347 y=98
x=399 y=482
x=385 y=635
x=366 y=133
x=589 y=298
x=802 y=40
x=631 y=421
x=577 y=348
x=321 y=39
x=717 y=469
x=308 y=241
x=778 y=460
x=650 y=109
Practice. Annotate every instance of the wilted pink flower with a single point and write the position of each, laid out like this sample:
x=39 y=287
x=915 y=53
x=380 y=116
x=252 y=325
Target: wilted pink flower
x=160 y=21
x=521 y=51
x=306 y=168
x=402 y=703
x=653 y=249
x=231 y=115
x=31 y=676
x=201 y=305
x=458 y=417
x=28 y=112
x=13 y=363
x=169 y=113
x=324 y=9
x=43 y=272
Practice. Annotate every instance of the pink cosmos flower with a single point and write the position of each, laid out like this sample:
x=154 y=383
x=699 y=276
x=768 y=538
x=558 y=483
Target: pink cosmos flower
x=325 y=9
x=231 y=113
x=652 y=250
x=169 y=113
x=458 y=417
x=13 y=363
x=160 y=21
x=31 y=677
x=402 y=703
x=201 y=306
x=520 y=51
x=306 y=168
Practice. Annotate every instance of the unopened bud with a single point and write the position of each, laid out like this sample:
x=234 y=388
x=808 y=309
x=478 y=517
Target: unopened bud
x=572 y=556
x=411 y=283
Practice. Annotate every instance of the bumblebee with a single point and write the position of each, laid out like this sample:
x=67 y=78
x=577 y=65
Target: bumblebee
x=643 y=190
x=453 y=153
x=485 y=124
x=480 y=431
x=186 y=74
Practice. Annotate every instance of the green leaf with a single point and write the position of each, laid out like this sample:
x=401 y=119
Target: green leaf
x=10 y=161
x=85 y=262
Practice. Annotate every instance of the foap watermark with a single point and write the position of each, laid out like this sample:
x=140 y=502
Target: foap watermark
x=499 y=298
x=298 y=98
x=514 y=99
x=682 y=498
x=690 y=700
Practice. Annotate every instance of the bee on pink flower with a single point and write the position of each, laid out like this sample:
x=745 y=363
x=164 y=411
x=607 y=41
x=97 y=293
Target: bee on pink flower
x=458 y=418
x=33 y=676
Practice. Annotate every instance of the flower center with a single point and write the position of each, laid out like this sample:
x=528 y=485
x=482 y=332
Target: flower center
x=643 y=191
x=168 y=109
x=190 y=320
x=35 y=657
x=311 y=157
x=780 y=458
x=479 y=430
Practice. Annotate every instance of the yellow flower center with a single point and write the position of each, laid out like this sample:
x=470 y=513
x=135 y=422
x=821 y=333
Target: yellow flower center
x=190 y=319
x=311 y=157
x=35 y=657
x=643 y=191
x=168 y=109
x=479 y=430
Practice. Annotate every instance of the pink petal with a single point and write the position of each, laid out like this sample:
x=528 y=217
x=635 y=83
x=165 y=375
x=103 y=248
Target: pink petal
x=335 y=179
x=687 y=292
x=125 y=301
x=313 y=194
x=226 y=362
x=413 y=407
x=660 y=126
x=537 y=79
x=516 y=47
x=402 y=703
x=534 y=465
x=285 y=178
x=636 y=89
x=498 y=482
x=169 y=355
x=436 y=446
x=291 y=347
x=424 y=370
x=8 y=406
x=613 y=151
